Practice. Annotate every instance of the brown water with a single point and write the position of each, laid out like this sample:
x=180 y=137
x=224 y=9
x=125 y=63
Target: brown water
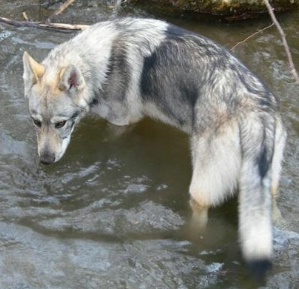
x=113 y=213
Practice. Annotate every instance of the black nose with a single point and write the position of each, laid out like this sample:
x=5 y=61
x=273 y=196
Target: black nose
x=47 y=159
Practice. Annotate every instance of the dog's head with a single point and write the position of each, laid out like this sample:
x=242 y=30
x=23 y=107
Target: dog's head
x=56 y=104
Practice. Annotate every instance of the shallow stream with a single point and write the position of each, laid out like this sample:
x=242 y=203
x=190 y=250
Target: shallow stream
x=114 y=213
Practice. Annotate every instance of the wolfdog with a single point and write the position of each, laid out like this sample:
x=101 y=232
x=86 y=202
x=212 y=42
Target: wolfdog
x=127 y=69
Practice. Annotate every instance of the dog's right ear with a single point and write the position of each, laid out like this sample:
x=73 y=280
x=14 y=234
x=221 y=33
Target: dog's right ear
x=33 y=71
x=71 y=79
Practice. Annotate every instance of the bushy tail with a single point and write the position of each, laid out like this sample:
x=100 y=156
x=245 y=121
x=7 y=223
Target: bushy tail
x=255 y=209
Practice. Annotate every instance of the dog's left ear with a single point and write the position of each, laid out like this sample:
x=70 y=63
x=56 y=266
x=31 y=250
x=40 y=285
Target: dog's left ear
x=71 y=79
x=33 y=72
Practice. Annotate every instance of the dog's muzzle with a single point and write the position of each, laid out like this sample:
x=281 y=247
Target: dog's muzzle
x=47 y=159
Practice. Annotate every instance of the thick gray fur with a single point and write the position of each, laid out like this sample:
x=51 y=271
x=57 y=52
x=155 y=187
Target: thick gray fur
x=127 y=69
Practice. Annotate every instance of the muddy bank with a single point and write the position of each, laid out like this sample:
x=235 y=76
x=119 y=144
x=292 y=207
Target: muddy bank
x=228 y=9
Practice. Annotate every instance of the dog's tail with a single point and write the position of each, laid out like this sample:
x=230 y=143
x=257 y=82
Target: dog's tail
x=261 y=158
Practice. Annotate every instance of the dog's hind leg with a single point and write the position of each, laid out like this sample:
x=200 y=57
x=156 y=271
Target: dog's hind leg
x=216 y=158
x=199 y=218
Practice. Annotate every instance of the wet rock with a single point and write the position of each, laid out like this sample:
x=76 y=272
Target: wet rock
x=230 y=9
x=285 y=271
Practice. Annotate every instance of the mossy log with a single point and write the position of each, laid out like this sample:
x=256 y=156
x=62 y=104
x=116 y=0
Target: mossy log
x=226 y=8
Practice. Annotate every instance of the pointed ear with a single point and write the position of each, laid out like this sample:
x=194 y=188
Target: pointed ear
x=33 y=71
x=71 y=79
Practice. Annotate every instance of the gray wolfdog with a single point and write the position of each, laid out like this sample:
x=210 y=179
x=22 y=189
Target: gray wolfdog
x=127 y=69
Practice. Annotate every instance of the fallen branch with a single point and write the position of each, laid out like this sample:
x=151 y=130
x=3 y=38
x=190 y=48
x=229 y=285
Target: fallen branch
x=48 y=26
x=250 y=36
x=284 y=41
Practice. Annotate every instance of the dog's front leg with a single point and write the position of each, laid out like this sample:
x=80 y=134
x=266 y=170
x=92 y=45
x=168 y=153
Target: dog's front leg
x=114 y=132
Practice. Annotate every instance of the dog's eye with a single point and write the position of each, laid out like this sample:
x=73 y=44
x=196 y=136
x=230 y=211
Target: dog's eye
x=37 y=122
x=60 y=124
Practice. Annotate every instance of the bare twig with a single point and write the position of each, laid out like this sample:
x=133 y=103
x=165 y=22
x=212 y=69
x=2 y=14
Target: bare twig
x=25 y=16
x=51 y=26
x=59 y=10
x=285 y=44
x=117 y=6
x=250 y=36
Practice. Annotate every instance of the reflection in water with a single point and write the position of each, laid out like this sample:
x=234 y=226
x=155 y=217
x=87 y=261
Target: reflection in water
x=113 y=213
